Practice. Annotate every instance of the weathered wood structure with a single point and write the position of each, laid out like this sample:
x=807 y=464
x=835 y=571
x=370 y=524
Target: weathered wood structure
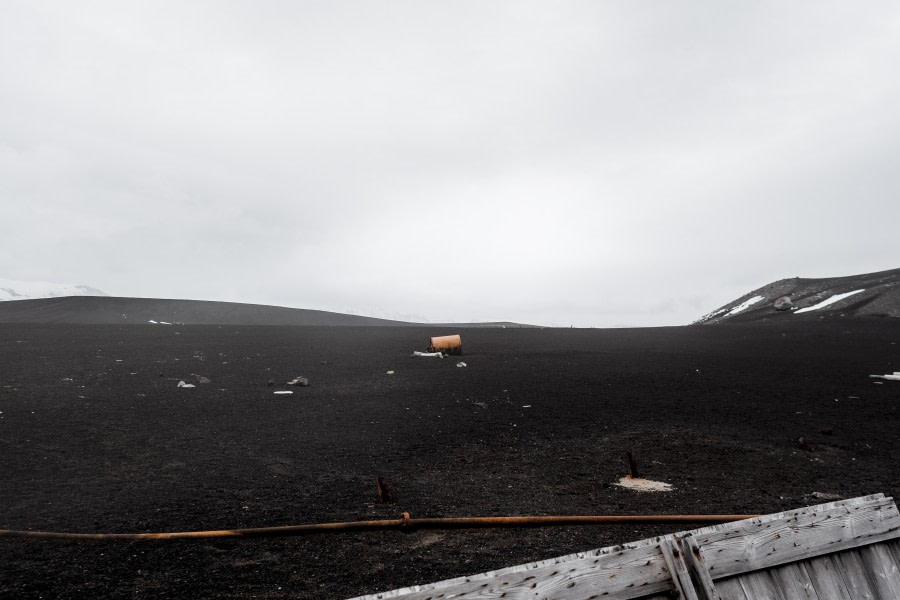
x=837 y=551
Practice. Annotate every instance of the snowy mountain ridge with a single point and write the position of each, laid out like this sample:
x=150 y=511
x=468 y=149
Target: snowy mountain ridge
x=30 y=290
x=866 y=295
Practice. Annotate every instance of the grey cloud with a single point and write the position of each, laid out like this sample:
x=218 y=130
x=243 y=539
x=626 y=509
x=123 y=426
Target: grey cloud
x=563 y=163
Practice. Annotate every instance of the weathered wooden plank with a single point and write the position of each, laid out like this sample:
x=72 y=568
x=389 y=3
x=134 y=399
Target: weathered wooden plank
x=794 y=582
x=480 y=577
x=759 y=585
x=766 y=542
x=681 y=578
x=713 y=529
x=703 y=583
x=883 y=572
x=826 y=578
x=853 y=572
x=712 y=554
x=731 y=589
x=623 y=574
x=894 y=548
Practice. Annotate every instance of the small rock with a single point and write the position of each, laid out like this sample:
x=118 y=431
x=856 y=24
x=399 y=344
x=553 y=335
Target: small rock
x=301 y=381
x=824 y=496
x=783 y=303
x=200 y=378
x=271 y=382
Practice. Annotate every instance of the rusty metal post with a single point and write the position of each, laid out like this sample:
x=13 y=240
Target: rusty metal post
x=632 y=466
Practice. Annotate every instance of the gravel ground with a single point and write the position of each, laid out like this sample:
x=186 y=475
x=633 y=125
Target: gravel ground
x=95 y=436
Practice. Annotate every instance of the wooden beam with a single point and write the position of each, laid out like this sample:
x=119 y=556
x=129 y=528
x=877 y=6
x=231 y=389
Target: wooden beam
x=773 y=540
x=706 y=589
x=621 y=574
x=678 y=569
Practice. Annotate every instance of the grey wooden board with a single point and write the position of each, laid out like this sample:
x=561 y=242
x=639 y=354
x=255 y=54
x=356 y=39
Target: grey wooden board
x=623 y=574
x=678 y=569
x=870 y=572
x=706 y=589
x=894 y=549
x=881 y=570
x=760 y=585
x=731 y=589
x=853 y=573
x=826 y=578
x=766 y=542
x=794 y=582
x=747 y=548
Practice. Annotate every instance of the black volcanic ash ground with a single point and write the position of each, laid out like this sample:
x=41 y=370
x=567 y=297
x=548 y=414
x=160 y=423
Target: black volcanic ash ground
x=95 y=436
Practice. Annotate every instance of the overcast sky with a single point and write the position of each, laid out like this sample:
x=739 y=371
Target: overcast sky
x=587 y=163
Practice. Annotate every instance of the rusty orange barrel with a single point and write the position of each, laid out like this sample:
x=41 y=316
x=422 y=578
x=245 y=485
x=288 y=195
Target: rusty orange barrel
x=451 y=344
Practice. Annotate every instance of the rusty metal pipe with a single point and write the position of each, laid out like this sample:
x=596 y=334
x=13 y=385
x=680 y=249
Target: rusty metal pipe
x=405 y=523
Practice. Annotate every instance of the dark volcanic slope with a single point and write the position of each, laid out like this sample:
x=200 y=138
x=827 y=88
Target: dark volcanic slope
x=93 y=310
x=95 y=436
x=869 y=295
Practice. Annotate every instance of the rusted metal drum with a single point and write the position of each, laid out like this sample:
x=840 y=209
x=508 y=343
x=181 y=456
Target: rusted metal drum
x=450 y=344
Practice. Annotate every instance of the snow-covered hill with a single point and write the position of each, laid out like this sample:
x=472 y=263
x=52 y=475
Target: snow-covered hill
x=868 y=295
x=30 y=290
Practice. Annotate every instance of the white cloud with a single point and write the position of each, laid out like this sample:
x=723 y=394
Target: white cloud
x=574 y=162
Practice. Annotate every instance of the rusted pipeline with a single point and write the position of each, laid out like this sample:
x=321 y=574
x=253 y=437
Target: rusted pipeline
x=405 y=523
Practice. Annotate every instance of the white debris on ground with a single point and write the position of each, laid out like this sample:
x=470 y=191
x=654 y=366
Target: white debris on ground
x=460 y=364
x=824 y=496
x=185 y=385
x=895 y=376
x=827 y=302
x=283 y=392
x=744 y=305
x=643 y=485
x=428 y=354
x=152 y=321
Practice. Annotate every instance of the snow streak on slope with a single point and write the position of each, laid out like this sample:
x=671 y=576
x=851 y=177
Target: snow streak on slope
x=30 y=290
x=831 y=300
x=744 y=305
x=868 y=295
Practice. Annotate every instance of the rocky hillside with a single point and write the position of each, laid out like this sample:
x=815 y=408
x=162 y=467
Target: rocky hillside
x=869 y=295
